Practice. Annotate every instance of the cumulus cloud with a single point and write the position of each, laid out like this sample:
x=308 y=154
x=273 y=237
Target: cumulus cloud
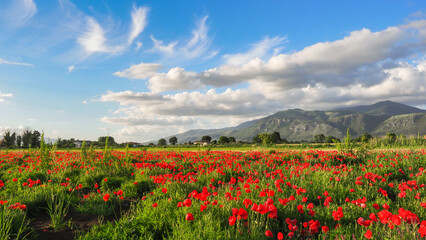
x=3 y=96
x=151 y=121
x=140 y=71
x=362 y=68
x=2 y=61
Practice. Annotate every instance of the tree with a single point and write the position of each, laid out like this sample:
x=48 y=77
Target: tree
x=18 y=140
x=256 y=139
x=275 y=137
x=26 y=138
x=319 y=138
x=223 y=140
x=173 y=140
x=391 y=137
x=232 y=139
x=331 y=139
x=8 y=139
x=102 y=141
x=365 y=137
x=162 y=142
x=35 y=139
x=206 y=139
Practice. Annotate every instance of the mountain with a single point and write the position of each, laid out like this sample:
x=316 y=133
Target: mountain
x=296 y=124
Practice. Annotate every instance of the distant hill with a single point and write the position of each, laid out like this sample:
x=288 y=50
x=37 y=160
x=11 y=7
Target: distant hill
x=296 y=124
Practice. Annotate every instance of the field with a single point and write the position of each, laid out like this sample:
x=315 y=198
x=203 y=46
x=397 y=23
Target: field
x=262 y=194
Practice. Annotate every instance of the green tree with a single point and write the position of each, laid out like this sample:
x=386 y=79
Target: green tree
x=35 y=139
x=331 y=139
x=256 y=139
x=365 y=137
x=26 y=138
x=162 y=142
x=18 y=140
x=8 y=139
x=319 y=138
x=276 y=137
x=223 y=140
x=102 y=140
x=206 y=139
x=391 y=137
x=173 y=140
x=232 y=139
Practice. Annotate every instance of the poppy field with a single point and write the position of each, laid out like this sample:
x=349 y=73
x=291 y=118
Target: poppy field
x=281 y=194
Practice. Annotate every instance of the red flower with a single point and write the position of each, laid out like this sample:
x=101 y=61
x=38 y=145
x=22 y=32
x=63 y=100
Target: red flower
x=280 y=236
x=232 y=219
x=154 y=205
x=106 y=197
x=422 y=229
x=368 y=234
x=300 y=209
x=242 y=213
x=376 y=206
x=203 y=207
x=325 y=229
x=268 y=233
x=164 y=190
x=338 y=214
x=187 y=202
x=189 y=217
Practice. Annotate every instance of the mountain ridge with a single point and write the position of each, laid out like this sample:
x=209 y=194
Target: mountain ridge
x=297 y=124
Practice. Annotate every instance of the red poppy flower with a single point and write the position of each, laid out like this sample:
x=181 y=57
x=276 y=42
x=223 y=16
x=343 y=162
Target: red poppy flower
x=106 y=197
x=368 y=234
x=189 y=217
x=268 y=233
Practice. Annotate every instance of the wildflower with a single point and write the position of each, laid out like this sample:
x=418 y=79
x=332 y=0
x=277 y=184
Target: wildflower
x=189 y=217
x=106 y=197
x=268 y=233
x=368 y=234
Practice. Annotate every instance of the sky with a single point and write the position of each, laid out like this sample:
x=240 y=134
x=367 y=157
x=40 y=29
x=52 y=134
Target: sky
x=141 y=70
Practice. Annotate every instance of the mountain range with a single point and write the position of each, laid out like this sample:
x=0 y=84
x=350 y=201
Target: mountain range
x=296 y=124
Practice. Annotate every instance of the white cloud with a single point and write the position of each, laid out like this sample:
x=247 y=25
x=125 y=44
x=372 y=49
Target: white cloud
x=198 y=46
x=138 y=22
x=3 y=96
x=94 y=40
x=151 y=121
x=2 y=61
x=140 y=71
x=267 y=47
x=70 y=69
x=174 y=79
x=159 y=46
x=19 y=12
x=138 y=45
x=361 y=68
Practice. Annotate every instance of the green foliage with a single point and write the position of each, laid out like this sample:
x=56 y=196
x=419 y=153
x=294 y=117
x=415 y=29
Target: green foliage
x=173 y=140
x=162 y=142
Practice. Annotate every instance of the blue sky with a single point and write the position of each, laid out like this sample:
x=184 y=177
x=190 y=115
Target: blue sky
x=140 y=70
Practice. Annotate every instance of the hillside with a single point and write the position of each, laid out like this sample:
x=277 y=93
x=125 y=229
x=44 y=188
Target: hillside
x=296 y=124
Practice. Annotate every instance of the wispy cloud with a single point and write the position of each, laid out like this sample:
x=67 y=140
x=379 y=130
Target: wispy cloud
x=138 y=22
x=266 y=48
x=2 y=61
x=3 y=96
x=70 y=69
x=94 y=40
x=197 y=46
x=18 y=12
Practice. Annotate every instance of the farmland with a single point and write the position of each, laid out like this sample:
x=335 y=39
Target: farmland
x=273 y=194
